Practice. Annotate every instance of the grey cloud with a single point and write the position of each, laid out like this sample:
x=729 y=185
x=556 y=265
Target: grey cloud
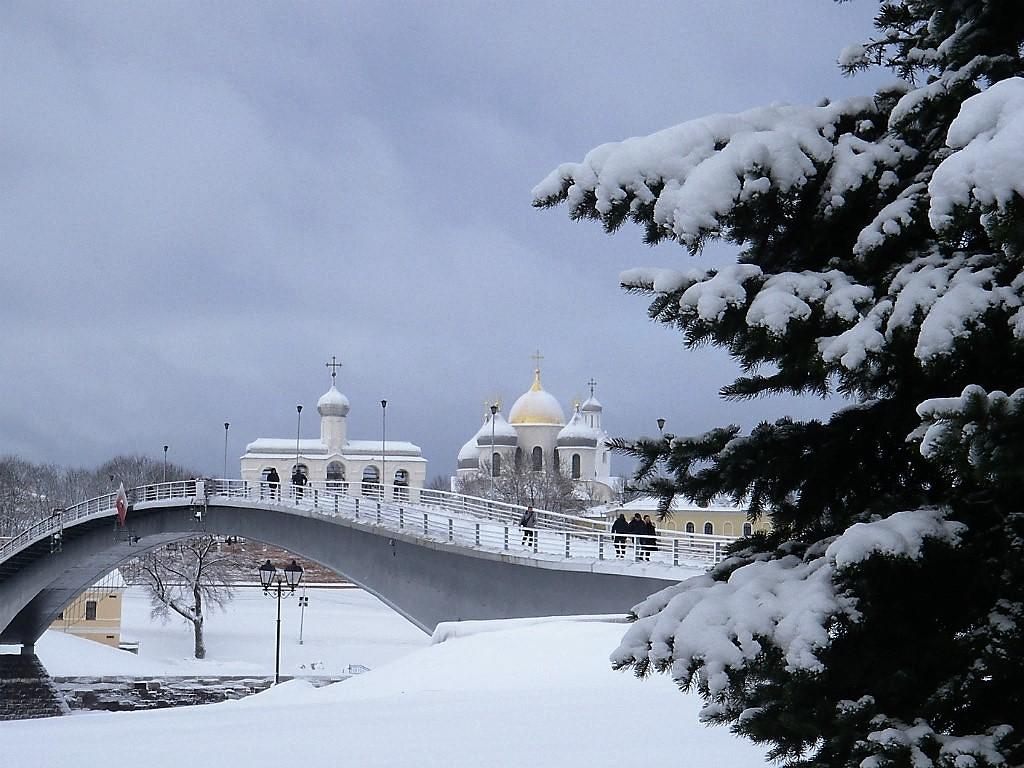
x=202 y=202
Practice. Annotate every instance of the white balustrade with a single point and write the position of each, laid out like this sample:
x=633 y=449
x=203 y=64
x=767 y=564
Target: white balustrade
x=438 y=516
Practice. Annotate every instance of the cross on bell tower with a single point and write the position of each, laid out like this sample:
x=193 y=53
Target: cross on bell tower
x=592 y=384
x=334 y=365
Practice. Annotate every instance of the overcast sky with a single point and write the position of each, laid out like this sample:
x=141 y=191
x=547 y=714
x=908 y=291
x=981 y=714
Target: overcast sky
x=201 y=203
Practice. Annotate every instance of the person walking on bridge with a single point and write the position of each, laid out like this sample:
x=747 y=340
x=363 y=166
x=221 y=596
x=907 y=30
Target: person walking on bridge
x=528 y=523
x=619 y=530
x=298 y=481
x=274 y=481
x=637 y=530
x=651 y=539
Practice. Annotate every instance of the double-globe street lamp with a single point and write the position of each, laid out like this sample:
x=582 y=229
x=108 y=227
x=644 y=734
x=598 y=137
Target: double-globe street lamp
x=270 y=578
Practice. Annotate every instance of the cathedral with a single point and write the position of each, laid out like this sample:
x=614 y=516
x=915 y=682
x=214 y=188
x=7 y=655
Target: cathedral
x=537 y=433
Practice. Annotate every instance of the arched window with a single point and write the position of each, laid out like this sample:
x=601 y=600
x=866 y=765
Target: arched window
x=575 y=466
x=303 y=470
x=371 y=482
x=266 y=471
x=336 y=476
x=748 y=529
x=495 y=464
x=519 y=457
x=709 y=528
x=727 y=529
x=538 y=459
x=689 y=527
x=401 y=484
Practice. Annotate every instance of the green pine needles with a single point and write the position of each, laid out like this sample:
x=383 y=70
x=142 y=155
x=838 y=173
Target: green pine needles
x=880 y=255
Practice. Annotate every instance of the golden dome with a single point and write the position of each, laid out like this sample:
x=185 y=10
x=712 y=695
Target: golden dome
x=536 y=406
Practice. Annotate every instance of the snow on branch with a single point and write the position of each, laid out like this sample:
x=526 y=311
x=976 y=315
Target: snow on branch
x=988 y=136
x=701 y=629
x=694 y=174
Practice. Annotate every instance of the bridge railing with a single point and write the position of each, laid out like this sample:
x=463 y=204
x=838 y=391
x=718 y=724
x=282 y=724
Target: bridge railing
x=55 y=522
x=436 y=515
x=448 y=517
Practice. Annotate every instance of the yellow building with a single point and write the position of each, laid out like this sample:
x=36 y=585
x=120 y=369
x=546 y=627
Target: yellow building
x=718 y=520
x=96 y=613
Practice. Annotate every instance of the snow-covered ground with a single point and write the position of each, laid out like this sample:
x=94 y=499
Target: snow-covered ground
x=341 y=627
x=510 y=694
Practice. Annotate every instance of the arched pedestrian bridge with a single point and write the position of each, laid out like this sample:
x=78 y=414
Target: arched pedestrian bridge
x=430 y=555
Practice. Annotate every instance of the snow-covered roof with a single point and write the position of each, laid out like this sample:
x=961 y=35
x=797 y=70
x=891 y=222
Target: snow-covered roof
x=393 y=448
x=272 y=448
x=578 y=433
x=650 y=504
x=592 y=404
x=285 y=446
x=469 y=452
x=502 y=432
x=332 y=403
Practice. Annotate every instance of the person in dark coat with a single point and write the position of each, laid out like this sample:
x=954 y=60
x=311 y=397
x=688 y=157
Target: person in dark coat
x=651 y=541
x=274 y=480
x=619 y=530
x=299 y=481
x=528 y=523
x=637 y=530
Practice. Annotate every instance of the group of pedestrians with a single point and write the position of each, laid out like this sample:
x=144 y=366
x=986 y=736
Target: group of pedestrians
x=643 y=531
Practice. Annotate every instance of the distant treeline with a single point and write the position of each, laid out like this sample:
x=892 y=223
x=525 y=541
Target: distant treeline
x=29 y=491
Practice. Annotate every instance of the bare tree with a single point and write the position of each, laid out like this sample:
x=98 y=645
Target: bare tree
x=186 y=578
x=518 y=483
x=439 y=483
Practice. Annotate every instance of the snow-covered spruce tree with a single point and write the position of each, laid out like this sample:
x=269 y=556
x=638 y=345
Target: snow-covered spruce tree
x=879 y=256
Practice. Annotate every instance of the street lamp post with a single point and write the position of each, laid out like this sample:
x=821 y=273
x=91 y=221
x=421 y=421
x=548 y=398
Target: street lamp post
x=165 y=463
x=494 y=411
x=269 y=579
x=298 y=427
x=383 y=447
x=226 y=425
x=303 y=604
x=661 y=427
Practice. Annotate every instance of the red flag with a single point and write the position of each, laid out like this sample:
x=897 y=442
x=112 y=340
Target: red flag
x=121 y=503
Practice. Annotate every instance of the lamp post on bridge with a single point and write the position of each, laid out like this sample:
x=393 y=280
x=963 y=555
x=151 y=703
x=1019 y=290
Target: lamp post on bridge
x=226 y=425
x=383 y=448
x=165 y=463
x=661 y=427
x=494 y=411
x=270 y=578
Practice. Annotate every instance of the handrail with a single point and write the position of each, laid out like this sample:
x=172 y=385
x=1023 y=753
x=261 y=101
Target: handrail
x=429 y=514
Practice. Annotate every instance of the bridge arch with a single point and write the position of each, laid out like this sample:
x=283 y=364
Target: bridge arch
x=426 y=581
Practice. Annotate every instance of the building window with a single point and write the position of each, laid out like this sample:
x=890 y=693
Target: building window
x=336 y=477
x=689 y=527
x=748 y=529
x=538 y=459
x=371 y=482
x=495 y=464
x=575 y=466
x=709 y=528
x=90 y=610
x=519 y=457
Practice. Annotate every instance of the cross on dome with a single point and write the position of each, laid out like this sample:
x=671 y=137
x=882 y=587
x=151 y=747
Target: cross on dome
x=592 y=384
x=537 y=357
x=334 y=365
